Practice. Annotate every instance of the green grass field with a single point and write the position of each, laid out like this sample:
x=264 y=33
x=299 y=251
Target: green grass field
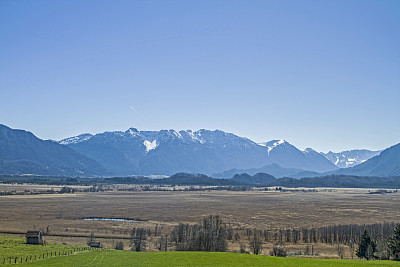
x=16 y=247
x=127 y=258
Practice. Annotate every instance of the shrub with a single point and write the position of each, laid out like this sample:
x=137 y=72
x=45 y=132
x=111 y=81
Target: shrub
x=278 y=251
x=119 y=245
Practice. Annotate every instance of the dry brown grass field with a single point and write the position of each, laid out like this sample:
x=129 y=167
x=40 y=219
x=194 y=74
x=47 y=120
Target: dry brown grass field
x=64 y=213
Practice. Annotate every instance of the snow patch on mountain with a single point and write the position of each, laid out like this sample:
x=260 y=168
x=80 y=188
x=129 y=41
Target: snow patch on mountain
x=274 y=144
x=202 y=151
x=133 y=132
x=150 y=145
x=76 y=139
x=177 y=134
x=195 y=136
x=346 y=159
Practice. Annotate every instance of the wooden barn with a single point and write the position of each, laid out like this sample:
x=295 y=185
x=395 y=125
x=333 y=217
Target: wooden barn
x=95 y=244
x=34 y=237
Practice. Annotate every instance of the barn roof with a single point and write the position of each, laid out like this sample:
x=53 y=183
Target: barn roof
x=33 y=233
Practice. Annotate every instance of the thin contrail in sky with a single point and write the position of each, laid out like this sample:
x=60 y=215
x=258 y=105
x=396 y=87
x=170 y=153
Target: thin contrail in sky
x=132 y=108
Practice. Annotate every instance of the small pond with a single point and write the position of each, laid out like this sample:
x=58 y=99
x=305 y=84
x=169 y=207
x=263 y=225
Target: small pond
x=110 y=219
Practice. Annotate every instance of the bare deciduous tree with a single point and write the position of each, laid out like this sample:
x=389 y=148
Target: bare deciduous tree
x=255 y=244
x=138 y=239
x=209 y=235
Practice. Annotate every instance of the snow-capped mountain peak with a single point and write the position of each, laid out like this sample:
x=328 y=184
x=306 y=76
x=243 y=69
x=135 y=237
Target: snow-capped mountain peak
x=133 y=132
x=76 y=139
x=206 y=151
x=351 y=158
x=309 y=150
x=274 y=144
x=195 y=136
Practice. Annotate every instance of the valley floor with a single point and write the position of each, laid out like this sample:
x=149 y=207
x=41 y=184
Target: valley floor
x=62 y=215
x=127 y=258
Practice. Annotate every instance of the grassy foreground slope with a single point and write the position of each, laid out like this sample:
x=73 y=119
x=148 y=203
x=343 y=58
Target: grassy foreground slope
x=16 y=247
x=127 y=258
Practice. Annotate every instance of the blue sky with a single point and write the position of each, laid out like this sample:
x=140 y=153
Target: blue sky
x=320 y=74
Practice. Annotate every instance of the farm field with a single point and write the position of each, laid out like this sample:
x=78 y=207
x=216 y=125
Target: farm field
x=16 y=247
x=13 y=247
x=63 y=214
x=128 y=258
x=268 y=209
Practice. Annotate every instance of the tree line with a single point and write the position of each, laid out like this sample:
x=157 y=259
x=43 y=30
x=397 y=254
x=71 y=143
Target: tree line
x=259 y=179
x=212 y=234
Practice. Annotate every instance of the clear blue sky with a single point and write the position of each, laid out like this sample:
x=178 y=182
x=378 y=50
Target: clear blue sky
x=320 y=74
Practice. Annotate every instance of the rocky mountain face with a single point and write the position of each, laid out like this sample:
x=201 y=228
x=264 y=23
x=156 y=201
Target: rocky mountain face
x=351 y=158
x=21 y=152
x=204 y=151
x=387 y=163
x=167 y=152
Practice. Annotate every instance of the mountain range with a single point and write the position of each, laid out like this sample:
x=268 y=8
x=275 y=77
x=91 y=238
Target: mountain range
x=23 y=153
x=204 y=151
x=166 y=152
x=350 y=158
x=387 y=163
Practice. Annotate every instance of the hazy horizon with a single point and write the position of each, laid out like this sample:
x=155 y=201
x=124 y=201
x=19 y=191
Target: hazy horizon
x=319 y=74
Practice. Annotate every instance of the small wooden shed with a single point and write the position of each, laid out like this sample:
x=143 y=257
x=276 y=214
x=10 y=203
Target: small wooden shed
x=34 y=237
x=95 y=244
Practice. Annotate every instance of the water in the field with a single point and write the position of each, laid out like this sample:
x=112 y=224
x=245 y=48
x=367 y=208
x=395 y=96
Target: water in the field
x=110 y=219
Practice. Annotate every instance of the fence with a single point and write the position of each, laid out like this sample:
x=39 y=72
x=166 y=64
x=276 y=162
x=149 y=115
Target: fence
x=46 y=255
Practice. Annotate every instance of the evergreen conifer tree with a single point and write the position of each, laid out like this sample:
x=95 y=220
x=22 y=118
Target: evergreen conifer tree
x=367 y=247
x=394 y=244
